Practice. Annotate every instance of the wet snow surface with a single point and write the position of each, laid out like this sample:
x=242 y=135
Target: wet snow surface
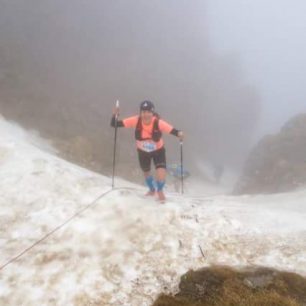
x=125 y=249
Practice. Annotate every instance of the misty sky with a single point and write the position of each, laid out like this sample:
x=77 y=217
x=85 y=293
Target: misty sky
x=223 y=71
x=270 y=38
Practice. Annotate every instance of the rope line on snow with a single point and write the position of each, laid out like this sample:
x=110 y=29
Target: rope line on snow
x=50 y=233
x=78 y=213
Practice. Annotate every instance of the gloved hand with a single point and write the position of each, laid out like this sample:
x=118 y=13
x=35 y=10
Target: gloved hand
x=116 y=111
x=180 y=135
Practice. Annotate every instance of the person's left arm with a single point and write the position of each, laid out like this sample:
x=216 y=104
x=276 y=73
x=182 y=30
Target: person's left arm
x=169 y=129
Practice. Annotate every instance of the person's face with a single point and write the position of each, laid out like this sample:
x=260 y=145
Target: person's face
x=146 y=116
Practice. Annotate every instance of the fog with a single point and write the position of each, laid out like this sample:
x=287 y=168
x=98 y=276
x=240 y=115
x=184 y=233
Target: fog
x=269 y=38
x=224 y=72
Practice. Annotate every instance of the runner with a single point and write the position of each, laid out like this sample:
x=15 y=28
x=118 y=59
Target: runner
x=150 y=145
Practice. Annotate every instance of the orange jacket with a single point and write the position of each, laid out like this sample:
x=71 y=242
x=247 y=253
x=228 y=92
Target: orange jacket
x=147 y=144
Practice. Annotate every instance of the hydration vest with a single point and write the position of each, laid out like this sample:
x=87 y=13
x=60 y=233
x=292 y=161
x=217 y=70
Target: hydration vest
x=156 y=133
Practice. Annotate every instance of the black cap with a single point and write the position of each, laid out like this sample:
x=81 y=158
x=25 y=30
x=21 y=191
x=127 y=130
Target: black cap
x=147 y=105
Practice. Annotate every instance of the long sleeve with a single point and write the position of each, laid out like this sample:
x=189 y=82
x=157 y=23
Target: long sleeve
x=129 y=122
x=167 y=128
x=119 y=122
x=174 y=132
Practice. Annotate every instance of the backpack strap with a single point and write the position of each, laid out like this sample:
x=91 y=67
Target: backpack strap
x=138 y=129
x=156 y=133
x=156 y=125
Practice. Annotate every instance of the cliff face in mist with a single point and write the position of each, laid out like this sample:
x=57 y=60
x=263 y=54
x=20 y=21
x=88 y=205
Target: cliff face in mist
x=63 y=65
x=278 y=162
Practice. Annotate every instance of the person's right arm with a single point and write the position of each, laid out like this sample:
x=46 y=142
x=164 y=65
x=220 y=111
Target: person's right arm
x=119 y=122
x=130 y=122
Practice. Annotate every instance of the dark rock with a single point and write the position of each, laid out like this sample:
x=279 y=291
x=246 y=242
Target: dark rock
x=224 y=286
x=278 y=162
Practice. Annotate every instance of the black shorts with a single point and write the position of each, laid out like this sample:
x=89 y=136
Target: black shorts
x=158 y=156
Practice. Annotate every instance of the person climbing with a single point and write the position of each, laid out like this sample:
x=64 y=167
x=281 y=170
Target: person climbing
x=150 y=145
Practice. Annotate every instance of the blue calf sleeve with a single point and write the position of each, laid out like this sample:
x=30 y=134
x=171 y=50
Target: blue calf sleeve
x=150 y=182
x=160 y=185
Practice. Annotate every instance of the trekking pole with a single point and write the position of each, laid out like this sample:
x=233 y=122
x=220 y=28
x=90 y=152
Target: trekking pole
x=115 y=144
x=182 y=168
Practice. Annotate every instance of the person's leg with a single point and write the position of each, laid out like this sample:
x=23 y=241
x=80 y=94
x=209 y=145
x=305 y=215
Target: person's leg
x=160 y=183
x=160 y=174
x=145 y=164
x=150 y=183
x=159 y=159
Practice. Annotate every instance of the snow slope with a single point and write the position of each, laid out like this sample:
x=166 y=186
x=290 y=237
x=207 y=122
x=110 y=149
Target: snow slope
x=124 y=250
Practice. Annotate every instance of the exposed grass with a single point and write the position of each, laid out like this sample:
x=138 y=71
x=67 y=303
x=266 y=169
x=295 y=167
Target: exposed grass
x=216 y=286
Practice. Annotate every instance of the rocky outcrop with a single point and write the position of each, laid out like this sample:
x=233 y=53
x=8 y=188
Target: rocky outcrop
x=278 y=162
x=225 y=286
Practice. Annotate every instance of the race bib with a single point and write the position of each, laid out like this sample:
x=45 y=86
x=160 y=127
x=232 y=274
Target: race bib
x=148 y=146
